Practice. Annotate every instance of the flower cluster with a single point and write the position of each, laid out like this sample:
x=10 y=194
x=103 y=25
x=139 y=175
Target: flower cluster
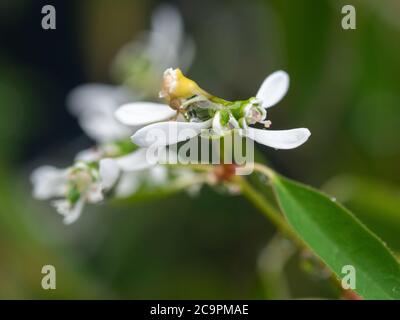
x=117 y=166
x=114 y=165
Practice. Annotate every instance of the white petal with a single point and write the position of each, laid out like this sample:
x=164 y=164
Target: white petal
x=95 y=193
x=143 y=113
x=278 y=139
x=98 y=97
x=128 y=184
x=158 y=175
x=94 y=105
x=70 y=213
x=167 y=133
x=48 y=182
x=103 y=127
x=167 y=21
x=273 y=89
x=186 y=54
x=109 y=172
x=216 y=124
x=138 y=160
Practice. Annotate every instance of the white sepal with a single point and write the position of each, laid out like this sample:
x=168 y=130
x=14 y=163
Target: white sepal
x=137 y=160
x=109 y=173
x=128 y=184
x=89 y=155
x=49 y=182
x=70 y=212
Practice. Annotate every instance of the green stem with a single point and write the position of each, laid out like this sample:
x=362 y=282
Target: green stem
x=268 y=210
x=176 y=186
x=264 y=170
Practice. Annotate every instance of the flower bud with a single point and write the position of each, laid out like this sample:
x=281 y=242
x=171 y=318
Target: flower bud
x=177 y=86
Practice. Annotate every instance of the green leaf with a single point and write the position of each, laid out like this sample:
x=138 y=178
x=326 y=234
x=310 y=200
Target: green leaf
x=339 y=239
x=375 y=202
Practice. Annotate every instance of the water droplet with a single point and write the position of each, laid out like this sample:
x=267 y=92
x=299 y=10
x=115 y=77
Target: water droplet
x=333 y=199
x=396 y=289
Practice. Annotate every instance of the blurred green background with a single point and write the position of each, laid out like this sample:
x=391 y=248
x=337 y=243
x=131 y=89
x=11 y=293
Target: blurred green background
x=345 y=87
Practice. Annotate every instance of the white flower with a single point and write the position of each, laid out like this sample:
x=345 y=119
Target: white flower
x=86 y=182
x=167 y=43
x=74 y=186
x=226 y=116
x=94 y=104
x=141 y=62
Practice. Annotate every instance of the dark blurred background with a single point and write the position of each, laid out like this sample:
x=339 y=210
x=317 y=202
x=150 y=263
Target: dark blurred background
x=345 y=87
